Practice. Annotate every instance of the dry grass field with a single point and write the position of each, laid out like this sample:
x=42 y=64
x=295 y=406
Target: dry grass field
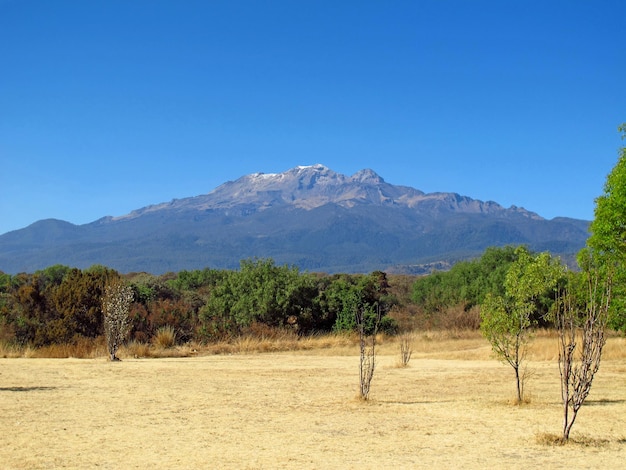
x=450 y=408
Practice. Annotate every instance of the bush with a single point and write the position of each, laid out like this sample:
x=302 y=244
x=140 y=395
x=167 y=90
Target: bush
x=165 y=337
x=459 y=318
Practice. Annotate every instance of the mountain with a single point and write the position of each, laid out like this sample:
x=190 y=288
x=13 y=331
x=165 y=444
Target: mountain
x=309 y=216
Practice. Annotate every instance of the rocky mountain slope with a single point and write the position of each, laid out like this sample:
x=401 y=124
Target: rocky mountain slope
x=309 y=216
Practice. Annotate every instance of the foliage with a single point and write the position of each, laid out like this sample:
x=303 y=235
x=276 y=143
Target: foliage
x=366 y=294
x=56 y=305
x=506 y=319
x=160 y=302
x=201 y=281
x=260 y=291
x=608 y=235
x=77 y=303
x=62 y=305
x=466 y=283
x=115 y=306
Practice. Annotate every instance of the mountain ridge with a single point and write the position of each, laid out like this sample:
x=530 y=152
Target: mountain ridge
x=309 y=216
x=320 y=185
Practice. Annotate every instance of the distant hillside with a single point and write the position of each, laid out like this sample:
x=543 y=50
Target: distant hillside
x=308 y=216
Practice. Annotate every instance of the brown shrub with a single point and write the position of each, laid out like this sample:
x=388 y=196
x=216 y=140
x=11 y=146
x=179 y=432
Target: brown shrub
x=82 y=348
x=459 y=318
x=165 y=337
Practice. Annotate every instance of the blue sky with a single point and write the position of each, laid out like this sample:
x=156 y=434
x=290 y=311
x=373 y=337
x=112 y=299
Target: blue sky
x=108 y=106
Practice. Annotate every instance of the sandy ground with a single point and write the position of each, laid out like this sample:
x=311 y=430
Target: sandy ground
x=298 y=410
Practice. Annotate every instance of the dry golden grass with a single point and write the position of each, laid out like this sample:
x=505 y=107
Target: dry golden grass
x=298 y=409
x=165 y=337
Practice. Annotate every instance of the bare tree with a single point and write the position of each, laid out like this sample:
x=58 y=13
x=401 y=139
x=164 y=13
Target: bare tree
x=581 y=321
x=115 y=307
x=406 y=349
x=367 y=323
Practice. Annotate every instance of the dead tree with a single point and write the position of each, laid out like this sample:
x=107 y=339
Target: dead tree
x=405 y=349
x=581 y=322
x=367 y=323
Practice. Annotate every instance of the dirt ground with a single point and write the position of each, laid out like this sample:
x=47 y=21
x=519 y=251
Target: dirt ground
x=299 y=410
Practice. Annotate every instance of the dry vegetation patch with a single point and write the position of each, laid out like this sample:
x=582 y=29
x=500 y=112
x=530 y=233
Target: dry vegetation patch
x=297 y=409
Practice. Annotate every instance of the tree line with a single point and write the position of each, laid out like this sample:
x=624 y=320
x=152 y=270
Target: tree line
x=61 y=304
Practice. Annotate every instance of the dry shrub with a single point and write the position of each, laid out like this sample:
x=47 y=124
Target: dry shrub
x=170 y=352
x=8 y=350
x=527 y=397
x=141 y=350
x=165 y=337
x=455 y=344
x=615 y=347
x=137 y=349
x=406 y=349
x=81 y=348
x=551 y=439
x=282 y=340
x=409 y=317
x=7 y=333
x=459 y=318
x=262 y=338
x=219 y=348
x=261 y=330
x=334 y=341
x=544 y=346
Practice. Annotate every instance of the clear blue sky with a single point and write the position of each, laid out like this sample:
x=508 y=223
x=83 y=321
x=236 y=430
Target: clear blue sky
x=110 y=105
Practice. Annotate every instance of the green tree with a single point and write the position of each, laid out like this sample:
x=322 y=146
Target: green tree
x=506 y=320
x=259 y=292
x=6 y=332
x=608 y=235
x=467 y=282
x=77 y=303
x=367 y=294
x=31 y=311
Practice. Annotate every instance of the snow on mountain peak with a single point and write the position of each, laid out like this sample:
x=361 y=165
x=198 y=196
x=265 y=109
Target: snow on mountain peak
x=316 y=185
x=317 y=166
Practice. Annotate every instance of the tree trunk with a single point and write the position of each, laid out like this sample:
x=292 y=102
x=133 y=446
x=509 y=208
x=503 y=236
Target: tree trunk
x=568 y=426
x=519 y=385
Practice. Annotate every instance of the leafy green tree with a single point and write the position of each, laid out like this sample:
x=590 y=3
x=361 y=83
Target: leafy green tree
x=198 y=280
x=368 y=294
x=32 y=314
x=307 y=315
x=466 y=284
x=77 y=303
x=506 y=320
x=259 y=292
x=6 y=332
x=608 y=235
